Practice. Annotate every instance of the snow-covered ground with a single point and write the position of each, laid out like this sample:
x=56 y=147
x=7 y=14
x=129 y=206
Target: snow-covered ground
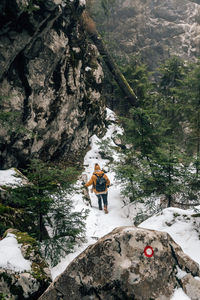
x=11 y=257
x=182 y=227
x=8 y=177
x=98 y=223
x=178 y=223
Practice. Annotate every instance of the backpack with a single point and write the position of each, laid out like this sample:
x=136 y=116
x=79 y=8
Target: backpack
x=100 y=183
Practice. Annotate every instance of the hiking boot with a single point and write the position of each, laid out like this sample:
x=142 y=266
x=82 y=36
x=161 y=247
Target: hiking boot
x=100 y=208
x=105 y=209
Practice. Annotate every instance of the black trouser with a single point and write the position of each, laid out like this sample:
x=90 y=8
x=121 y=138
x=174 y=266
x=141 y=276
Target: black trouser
x=103 y=197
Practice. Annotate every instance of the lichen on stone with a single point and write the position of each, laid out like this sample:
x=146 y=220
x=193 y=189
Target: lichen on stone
x=24 y=284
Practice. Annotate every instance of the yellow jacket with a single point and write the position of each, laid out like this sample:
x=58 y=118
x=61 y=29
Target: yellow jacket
x=93 y=181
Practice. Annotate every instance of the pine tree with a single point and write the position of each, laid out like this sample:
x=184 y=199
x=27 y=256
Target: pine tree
x=135 y=170
x=66 y=227
x=46 y=182
x=154 y=163
x=47 y=201
x=169 y=106
x=190 y=93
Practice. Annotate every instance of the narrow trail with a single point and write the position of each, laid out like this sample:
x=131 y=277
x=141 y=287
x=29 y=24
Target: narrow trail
x=98 y=223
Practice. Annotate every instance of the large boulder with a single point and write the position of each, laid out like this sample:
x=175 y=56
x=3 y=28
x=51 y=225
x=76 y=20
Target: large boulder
x=128 y=263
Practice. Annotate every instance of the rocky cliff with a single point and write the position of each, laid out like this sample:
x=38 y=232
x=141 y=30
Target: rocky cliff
x=154 y=29
x=50 y=82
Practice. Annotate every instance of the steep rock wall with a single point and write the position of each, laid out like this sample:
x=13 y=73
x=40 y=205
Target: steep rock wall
x=154 y=29
x=50 y=82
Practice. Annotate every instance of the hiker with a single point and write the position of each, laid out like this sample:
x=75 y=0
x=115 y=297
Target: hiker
x=100 y=183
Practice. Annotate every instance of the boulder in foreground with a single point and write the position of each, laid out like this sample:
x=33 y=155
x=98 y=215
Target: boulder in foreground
x=128 y=263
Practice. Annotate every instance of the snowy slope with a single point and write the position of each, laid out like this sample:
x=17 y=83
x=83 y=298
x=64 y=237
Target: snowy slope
x=11 y=257
x=98 y=223
x=184 y=228
x=8 y=177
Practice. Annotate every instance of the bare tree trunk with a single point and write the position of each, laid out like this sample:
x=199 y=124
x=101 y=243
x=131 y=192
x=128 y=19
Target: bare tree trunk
x=90 y=28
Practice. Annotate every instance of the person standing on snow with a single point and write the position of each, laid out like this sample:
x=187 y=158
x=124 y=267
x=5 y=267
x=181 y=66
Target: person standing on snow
x=100 y=183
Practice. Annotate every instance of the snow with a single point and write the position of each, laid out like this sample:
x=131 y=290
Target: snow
x=11 y=257
x=177 y=222
x=82 y=2
x=181 y=226
x=180 y=273
x=179 y=295
x=98 y=224
x=7 y=177
x=87 y=69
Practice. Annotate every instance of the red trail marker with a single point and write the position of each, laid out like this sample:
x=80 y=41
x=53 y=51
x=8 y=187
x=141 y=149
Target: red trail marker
x=148 y=251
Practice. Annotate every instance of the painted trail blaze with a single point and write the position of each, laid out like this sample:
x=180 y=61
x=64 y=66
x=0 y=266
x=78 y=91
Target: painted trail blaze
x=148 y=251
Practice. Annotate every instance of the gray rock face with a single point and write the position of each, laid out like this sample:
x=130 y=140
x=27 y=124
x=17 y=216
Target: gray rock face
x=50 y=82
x=155 y=29
x=191 y=286
x=119 y=266
x=196 y=1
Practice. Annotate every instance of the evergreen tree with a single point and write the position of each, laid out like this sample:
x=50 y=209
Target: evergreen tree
x=10 y=120
x=46 y=182
x=141 y=134
x=47 y=201
x=138 y=78
x=190 y=93
x=169 y=106
x=66 y=227
x=154 y=163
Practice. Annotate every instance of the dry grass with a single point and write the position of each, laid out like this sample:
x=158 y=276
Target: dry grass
x=88 y=23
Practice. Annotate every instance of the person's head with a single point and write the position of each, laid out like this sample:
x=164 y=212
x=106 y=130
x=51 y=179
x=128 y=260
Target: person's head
x=97 y=167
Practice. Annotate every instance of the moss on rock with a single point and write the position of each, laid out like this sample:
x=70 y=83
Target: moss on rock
x=30 y=251
x=29 y=284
